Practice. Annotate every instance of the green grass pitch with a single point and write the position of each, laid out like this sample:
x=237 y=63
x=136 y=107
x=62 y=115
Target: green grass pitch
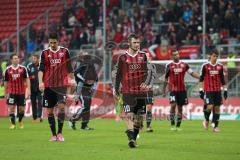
x=108 y=142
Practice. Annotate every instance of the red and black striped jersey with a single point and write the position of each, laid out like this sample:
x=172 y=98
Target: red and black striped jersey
x=15 y=78
x=212 y=77
x=175 y=74
x=55 y=65
x=132 y=71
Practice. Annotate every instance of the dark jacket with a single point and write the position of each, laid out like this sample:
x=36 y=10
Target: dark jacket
x=33 y=76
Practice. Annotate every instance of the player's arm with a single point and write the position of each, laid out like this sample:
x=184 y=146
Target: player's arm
x=222 y=78
x=201 y=79
x=70 y=69
x=27 y=81
x=191 y=72
x=40 y=72
x=31 y=75
x=28 y=92
x=118 y=76
x=165 y=83
x=149 y=71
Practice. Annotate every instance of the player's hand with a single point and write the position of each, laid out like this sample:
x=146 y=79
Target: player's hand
x=144 y=86
x=225 y=94
x=28 y=93
x=1 y=83
x=41 y=87
x=115 y=93
x=201 y=94
x=6 y=95
x=72 y=82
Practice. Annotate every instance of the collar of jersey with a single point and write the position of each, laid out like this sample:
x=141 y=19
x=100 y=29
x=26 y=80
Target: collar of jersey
x=53 y=50
x=131 y=54
x=212 y=64
x=177 y=63
x=15 y=67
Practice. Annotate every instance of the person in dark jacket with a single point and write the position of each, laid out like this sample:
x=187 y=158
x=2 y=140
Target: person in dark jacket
x=36 y=97
x=86 y=78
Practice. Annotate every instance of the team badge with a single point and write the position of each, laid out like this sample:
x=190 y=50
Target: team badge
x=182 y=65
x=61 y=54
x=140 y=59
x=218 y=67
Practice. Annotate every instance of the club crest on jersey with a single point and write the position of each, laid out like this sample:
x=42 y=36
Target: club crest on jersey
x=218 y=67
x=61 y=54
x=182 y=65
x=140 y=59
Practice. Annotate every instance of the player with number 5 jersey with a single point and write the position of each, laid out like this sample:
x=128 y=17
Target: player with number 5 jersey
x=211 y=82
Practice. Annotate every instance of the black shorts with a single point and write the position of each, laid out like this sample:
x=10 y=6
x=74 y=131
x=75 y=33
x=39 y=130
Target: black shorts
x=179 y=97
x=53 y=96
x=149 y=98
x=134 y=104
x=213 y=98
x=16 y=99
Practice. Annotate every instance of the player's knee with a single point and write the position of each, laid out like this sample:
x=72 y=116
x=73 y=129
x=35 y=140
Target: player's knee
x=217 y=109
x=129 y=116
x=50 y=115
x=61 y=110
x=209 y=107
x=138 y=118
x=149 y=108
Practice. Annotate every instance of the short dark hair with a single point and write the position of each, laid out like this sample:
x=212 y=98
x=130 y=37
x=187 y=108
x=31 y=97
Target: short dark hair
x=53 y=35
x=132 y=35
x=214 y=51
x=36 y=55
x=12 y=55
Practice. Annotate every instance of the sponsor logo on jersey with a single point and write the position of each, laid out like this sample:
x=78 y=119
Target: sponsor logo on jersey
x=213 y=72
x=134 y=66
x=177 y=70
x=55 y=61
x=15 y=76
